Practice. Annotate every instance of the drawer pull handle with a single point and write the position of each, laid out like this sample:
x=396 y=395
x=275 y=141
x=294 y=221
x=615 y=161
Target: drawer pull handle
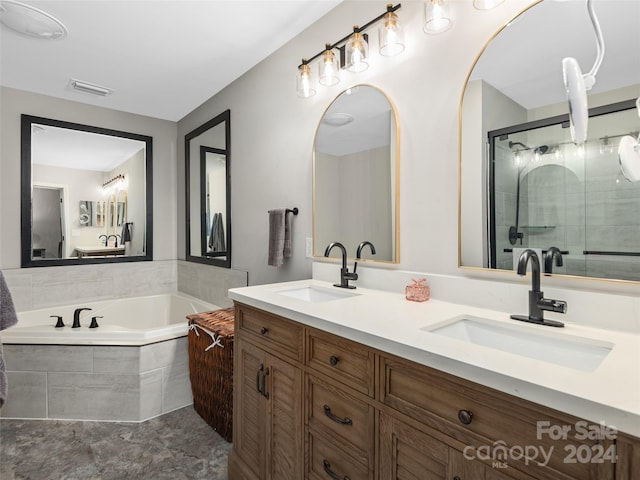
x=341 y=421
x=456 y=478
x=264 y=330
x=334 y=476
x=465 y=416
x=333 y=360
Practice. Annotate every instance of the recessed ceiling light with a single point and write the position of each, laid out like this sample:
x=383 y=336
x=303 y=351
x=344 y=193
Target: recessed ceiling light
x=30 y=21
x=337 y=119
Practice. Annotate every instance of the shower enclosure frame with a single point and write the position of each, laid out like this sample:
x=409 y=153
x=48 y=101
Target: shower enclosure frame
x=503 y=134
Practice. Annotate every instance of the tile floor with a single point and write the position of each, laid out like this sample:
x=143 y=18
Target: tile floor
x=175 y=446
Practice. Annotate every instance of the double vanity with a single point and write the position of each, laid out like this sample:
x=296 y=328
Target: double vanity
x=362 y=384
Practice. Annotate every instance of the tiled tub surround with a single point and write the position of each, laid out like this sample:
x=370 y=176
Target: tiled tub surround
x=117 y=383
x=131 y=368
x=34 y=288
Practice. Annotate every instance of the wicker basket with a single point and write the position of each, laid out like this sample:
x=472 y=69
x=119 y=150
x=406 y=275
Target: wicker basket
x=211 y=371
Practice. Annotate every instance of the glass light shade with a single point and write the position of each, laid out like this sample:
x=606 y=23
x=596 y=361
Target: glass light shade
x=437 y=16
x=328 y=69
x=390 y=36
x=357 y=52
x=486 y=4
x=304 y=82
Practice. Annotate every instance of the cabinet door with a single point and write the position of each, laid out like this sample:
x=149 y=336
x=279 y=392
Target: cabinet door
x=283 y=386
x=409 y=454
x=250 y=410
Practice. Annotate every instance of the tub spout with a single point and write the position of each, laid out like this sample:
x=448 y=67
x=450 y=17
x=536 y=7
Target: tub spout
x=76 y=317
x=59 y=322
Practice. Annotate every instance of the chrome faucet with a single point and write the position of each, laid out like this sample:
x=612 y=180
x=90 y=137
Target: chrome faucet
x=359 y=253
x=345 y=275
x=537 y=302
x=76 y=317
x=553 y=252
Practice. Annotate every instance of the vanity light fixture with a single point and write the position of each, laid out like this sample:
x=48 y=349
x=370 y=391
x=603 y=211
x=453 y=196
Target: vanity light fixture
x=486 y=4
x=30 y=21
x=114 y=183
x=438 y=17
x=352 y=52
x=91 y=88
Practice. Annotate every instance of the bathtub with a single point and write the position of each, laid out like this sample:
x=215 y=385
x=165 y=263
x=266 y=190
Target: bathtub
x=128 y=321
x=133 y=367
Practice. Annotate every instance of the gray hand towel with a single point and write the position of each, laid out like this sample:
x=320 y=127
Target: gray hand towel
x=287 y=235
x=277 y=234
x=8 y=318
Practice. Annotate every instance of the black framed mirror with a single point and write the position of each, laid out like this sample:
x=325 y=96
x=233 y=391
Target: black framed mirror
x=208 y=192
x=86 y=194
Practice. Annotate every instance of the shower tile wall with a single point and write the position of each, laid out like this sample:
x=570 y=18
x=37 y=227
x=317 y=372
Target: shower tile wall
x=587 y=204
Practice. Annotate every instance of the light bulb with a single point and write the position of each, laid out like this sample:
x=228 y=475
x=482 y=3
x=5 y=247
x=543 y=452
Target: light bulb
x=328 y=68
x=304 y=84
x=357 y=51
x=437 y=16
x=390 y=34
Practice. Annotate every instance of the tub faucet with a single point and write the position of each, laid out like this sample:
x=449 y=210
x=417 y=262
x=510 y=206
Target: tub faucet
x=359 y=252
x=76 y=317
x=345 y=275
x=537 y=302
x=553 y=252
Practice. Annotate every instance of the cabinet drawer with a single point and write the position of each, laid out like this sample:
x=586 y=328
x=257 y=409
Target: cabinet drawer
x=272 y=332
x=341 y=359
x=329 y=458
x=342 y=414
x=493 y=419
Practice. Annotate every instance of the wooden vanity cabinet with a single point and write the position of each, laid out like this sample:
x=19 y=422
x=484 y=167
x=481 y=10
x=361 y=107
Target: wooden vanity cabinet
x=312 y=405
x=480 y=420
x=268 y=415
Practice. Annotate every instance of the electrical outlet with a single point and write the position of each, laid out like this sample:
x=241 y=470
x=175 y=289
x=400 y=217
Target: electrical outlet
x=309 y=249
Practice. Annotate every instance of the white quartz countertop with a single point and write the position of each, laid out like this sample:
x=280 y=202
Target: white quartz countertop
x=387 y=321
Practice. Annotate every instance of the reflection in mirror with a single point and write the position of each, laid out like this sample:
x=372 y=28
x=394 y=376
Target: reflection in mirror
x=523 y=182
x=76 y=179
x=355 y=174
x=207 y=154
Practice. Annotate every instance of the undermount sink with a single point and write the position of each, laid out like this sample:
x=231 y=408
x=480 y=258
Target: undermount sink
x=315 y=294
x=569 y=351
